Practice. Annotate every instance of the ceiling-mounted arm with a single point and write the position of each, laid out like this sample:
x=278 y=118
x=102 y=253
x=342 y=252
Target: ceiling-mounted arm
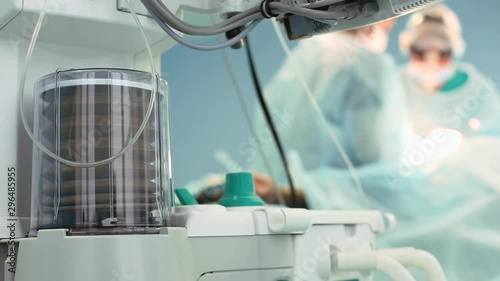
x=302 y=18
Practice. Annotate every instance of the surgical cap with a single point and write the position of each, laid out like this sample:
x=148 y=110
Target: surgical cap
x=435 y=27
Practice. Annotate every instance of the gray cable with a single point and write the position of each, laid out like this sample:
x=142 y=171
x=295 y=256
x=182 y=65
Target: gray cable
x=319 y=4
x=232 y=19
x=186 y=43
x=166 y=16
x=163 y=14
x=310 y=13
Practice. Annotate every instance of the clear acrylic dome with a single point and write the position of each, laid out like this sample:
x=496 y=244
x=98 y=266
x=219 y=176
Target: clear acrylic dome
x=90 y=115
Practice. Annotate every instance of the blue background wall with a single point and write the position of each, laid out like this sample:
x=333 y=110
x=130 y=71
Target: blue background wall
x=205 y=112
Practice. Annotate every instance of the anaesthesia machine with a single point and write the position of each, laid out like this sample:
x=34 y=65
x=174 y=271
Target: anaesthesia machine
x=85 y=162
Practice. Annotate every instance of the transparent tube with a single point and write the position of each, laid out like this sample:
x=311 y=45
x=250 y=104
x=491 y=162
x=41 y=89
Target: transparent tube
x=29 y=55
x=89 y=115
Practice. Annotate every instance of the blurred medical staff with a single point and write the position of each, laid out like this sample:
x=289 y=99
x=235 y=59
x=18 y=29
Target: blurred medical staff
x=356 y=86
x=450 y=205
x=443 y=91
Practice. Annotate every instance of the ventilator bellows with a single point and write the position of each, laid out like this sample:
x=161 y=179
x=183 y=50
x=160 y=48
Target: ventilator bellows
x=88 y=116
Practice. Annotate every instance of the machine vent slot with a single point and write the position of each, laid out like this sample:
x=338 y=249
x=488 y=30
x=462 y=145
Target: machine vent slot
x=412 y=5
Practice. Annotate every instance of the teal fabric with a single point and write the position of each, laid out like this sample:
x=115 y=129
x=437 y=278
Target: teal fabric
x=456 y=82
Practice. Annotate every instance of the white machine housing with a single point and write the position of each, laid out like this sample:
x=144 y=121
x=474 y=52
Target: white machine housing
x=208 y=243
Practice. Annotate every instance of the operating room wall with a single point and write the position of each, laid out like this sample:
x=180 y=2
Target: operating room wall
x=206 y=114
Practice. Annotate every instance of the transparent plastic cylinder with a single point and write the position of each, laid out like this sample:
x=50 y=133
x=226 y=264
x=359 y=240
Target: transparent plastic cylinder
x=90 y=115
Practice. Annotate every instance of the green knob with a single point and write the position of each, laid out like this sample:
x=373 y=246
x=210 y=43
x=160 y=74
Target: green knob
x=185 y=197
x=240 y=191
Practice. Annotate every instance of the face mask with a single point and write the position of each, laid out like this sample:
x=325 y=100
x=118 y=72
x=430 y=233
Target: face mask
x=377 y=41
x=430 y=79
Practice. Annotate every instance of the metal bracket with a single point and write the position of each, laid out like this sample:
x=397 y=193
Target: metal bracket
x=136 y=5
